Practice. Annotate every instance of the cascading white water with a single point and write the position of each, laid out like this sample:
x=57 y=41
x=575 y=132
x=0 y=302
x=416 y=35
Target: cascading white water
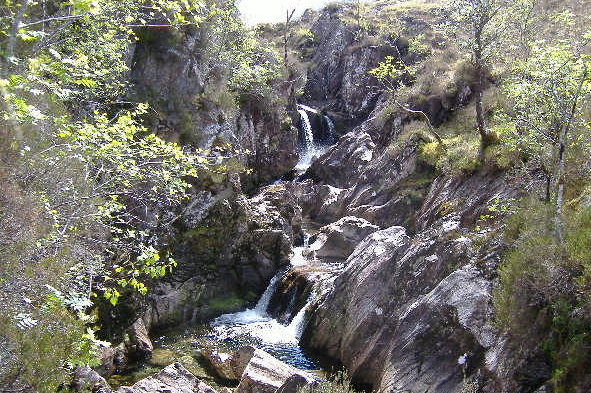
x=263 y=303
x=307 y=128
x=298 y=258
x=250 y=315
x=311 y=150
x=330 y=125
x=256 y=322
x=267 y=332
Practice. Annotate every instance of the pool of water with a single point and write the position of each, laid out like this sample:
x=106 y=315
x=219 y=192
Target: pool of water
x=228 y=333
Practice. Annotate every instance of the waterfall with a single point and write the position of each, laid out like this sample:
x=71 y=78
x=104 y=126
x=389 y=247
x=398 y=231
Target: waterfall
x=307 y=130
x=267 y=332
x=311 y=149
x=263 y=303
x=298 y=323
x=330 y=125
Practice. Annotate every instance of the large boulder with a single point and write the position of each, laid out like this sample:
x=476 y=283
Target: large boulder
x=172 y=379
x=221 y=363
x=264 y=373
x=405 y=310
x=339 y=239
x=298 y=383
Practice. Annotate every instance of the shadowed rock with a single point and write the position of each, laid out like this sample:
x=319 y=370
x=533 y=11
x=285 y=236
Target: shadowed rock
x=172 y=379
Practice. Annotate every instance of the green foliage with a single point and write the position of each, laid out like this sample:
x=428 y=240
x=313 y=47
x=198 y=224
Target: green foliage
x=44 y=341
x=393 y=73
x=543 y=88
x=458 y=154
x=543 y=291
x=340 y=382
x=419 y=45
x=488 y=23
x=89 y=193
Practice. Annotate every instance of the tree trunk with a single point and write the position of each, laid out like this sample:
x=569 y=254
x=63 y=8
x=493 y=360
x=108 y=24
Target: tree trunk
x=11 y=44
x=285 y=34
x=480 y=120
x=562 y=144
x=560 y=189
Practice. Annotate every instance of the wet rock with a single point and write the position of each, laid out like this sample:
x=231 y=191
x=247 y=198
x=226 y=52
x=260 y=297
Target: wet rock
x=172 y=379
x=296 y=287
x=264 y=373
x=86 y=379
x=138 y=343
x=338 y=240
x=221 y=362
x=342 y=164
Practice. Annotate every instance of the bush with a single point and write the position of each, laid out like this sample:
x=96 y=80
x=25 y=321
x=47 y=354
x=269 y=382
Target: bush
x=458 y=155
x=337 y=383
x=543 y=295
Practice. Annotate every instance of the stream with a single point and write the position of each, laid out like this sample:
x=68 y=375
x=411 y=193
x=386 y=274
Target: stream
x=253 y=326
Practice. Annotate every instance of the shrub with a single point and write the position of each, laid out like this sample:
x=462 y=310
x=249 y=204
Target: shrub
x=458 y=154
x=337 y=383
x=543 y=293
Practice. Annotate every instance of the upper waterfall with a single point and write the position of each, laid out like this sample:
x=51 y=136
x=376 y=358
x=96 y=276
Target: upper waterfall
x=314 y=142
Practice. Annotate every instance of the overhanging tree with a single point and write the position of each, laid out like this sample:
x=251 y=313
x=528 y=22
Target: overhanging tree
x=86 y=178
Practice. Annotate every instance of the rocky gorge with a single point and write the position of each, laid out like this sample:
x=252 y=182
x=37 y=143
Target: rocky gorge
x=387 y=264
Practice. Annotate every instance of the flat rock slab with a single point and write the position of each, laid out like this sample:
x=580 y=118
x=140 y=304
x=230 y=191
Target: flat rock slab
x=172 y=379
x=264 y=373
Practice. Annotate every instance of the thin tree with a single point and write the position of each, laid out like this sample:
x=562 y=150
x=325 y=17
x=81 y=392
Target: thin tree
x=288 y=19
x=547 y=91
x=485 y=23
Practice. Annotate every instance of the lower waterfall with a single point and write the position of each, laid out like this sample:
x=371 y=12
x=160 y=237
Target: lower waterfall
x=255 y=326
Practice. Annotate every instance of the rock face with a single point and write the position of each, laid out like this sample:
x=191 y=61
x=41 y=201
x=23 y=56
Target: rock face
x=400 y=315
x=339 y=82
x=343 y=163
x=226 y=259
x=172 y=379
x=194 y=106
x=265 y=130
